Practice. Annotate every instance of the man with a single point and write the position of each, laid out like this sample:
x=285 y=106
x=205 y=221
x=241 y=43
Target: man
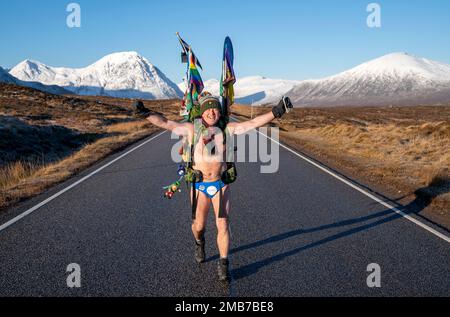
x=209 y=161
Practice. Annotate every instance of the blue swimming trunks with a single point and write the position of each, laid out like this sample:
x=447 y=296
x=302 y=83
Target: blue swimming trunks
x=210 y=189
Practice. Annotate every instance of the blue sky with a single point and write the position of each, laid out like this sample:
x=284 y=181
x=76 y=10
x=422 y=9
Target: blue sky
x=291 y=39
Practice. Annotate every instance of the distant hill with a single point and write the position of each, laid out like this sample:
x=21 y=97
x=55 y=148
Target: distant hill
x=6 y=77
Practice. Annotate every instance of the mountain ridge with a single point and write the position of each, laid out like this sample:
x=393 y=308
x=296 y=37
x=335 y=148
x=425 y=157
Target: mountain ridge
x=122 y=74
x=393 y=79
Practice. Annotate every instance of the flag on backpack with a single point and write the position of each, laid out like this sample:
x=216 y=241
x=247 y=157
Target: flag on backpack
x=195 y=83
x=186 y=48
x=228 y=77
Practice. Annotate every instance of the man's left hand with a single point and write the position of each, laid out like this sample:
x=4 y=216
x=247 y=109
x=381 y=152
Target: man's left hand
x=284 y=106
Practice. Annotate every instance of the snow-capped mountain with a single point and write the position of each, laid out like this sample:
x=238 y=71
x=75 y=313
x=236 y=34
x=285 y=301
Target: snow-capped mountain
x=122 y=75
x=255 y=90
x=393 y=79
x=260 y=90
x=5 y=77
x=212 y=86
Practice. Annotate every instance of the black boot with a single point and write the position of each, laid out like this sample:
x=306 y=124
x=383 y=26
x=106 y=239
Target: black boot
x=200 y=250
x=223 y=270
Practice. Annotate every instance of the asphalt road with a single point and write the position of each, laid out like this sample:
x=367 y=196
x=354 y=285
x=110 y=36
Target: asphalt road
x=299 y=232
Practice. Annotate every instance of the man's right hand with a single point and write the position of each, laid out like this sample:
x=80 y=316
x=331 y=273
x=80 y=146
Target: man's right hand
x=141 y=112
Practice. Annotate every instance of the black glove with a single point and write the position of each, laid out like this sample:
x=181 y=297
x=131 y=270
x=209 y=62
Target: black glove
x=284 y=106
x=141 y=112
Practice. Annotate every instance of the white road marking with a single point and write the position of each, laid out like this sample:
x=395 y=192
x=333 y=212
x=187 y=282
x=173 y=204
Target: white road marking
x=364 y=192
x=29 y=211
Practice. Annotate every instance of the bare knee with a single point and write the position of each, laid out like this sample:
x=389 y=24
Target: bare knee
x=222 y=225
x=199 y=227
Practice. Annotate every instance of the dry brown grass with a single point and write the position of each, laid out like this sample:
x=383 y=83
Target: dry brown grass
x=414 y=155
x=16 y=172
x=128 y=127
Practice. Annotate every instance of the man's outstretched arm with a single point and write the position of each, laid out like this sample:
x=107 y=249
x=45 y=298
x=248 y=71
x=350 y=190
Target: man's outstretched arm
x=277 y=112
x=160 y=121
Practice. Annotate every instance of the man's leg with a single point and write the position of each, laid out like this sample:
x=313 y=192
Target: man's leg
x=199 y=225
x=223 y=232
x=201 y=217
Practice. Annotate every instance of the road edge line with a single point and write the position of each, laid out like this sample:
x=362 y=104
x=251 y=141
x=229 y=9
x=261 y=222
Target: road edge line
x=362 y=191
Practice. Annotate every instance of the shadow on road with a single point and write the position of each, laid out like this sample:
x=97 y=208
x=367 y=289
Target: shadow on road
x=380 y=218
